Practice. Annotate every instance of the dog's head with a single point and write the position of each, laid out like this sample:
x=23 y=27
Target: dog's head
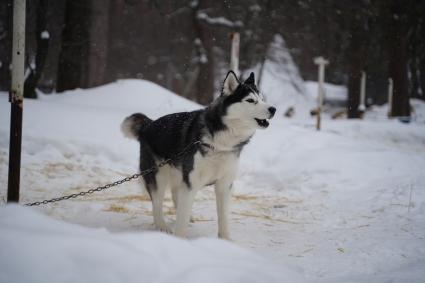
x=244 y=103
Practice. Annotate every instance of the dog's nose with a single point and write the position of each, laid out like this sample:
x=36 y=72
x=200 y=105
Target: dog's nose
x=272 y=110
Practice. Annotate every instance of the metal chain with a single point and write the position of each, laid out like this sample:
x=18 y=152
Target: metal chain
x=119 y=182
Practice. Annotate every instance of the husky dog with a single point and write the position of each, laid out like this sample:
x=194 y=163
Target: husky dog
x=211 y=139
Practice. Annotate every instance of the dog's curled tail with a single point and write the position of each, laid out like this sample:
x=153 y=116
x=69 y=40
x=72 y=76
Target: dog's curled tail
x=134 y=124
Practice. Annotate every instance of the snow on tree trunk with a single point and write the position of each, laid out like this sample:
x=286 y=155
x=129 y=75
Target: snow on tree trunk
x=281 y=81
x=234 y=53
x=278 y=52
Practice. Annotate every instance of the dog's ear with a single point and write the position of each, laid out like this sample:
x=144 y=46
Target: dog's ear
x=251 y=79
x=230 y=84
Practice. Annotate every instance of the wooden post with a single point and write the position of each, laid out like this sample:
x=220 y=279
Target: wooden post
x=321 y=62
x=362 y=105
x=234 y=53
x=16 y=99
x=390 y=97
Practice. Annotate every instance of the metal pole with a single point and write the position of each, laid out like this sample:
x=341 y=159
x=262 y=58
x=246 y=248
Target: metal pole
x=17 y=98
x=234 y=53
x=390 y=97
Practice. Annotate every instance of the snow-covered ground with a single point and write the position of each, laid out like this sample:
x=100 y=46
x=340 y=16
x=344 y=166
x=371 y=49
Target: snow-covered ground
x=346 y=204
x=36 y=248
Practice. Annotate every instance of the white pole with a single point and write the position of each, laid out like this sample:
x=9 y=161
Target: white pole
x=234 y=53
x=321 y=62
x=16 y=99
x=18 y=49
x=362 y=106
x=390 y=97
x=321 y=89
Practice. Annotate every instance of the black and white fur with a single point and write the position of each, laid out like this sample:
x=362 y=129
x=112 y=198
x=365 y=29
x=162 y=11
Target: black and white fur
x=224 y=128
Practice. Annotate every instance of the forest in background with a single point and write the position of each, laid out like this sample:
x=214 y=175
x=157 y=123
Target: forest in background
x=184 y=45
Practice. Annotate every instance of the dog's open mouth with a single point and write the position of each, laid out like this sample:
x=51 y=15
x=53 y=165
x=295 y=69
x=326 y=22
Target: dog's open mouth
x=263 y=123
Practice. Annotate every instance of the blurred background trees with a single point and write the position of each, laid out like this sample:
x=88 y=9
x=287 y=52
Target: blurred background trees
x=184 y=45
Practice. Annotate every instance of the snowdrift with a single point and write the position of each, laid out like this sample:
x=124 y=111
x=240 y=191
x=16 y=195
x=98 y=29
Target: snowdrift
x=87 y=122
x=35 y=248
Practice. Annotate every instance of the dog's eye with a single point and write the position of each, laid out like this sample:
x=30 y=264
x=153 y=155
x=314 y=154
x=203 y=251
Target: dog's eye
x=250 y=100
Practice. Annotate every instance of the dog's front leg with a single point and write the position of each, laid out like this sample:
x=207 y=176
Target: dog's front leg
x=185 y=199
x=223 y=192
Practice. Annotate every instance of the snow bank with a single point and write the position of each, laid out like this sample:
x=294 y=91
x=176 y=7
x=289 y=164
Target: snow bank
x=381 y=112
x=87 y=121
x=334 y=94
x=129 y=94
x=35 y=248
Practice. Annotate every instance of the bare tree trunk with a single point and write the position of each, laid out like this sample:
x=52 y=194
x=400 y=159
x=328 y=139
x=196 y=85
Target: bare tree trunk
x=204 y=86
x=55 y=16
x=398 y=42
x=73 y=58
x=5 y=44
x=98 y=45
x=421 y=67
x=357 y=60
x=414 y=84
x=398 y=72
x=42 y=42
x=354 y=91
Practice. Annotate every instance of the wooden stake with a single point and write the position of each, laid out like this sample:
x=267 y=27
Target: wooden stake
x=321 y=62
x=16 y=99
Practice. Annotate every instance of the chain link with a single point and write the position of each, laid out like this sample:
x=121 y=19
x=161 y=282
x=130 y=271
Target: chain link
x=119 y=182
